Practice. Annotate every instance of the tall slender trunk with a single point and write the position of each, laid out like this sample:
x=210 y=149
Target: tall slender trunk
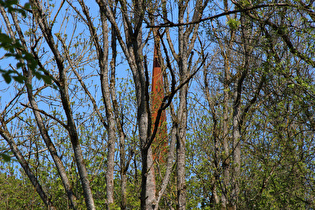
x=148 y=199
x=74 y=137
x=51 y=147
x=132 y=46
x=236 y=155
x=141 y=79
x=236 y=141
x=181 y=149
x=106 y=94
x=246 y=37
x=122 y=153
x=186 y=40
x=123 y=171
x=148 y=185
x=169 y=165
x=226 y=156
x=182 y=116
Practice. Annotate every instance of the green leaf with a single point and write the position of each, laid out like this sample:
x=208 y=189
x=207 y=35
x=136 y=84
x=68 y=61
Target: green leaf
x=27 y=5
x=5 y=157
x=47 y=79
x=291 y=85
x=7 y=78
x=233 y=23
x=19 y=78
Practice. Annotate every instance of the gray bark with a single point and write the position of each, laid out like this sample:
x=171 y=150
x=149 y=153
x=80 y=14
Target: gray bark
x=102 y=53
x=169 y=166
x=186 y=41
x=44 y=133
x=63 y=90
x=226 y=158
x=246 y=37
x=123 y=163
x=132 y=48
x=182 y=115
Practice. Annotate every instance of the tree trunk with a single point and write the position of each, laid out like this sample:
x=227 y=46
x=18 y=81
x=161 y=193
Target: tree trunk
x=132 y=48
x=110 y=118
x=63 y=90
x=181 y=149
x=186 y=42
x=148 y=200
x=245 y=26
x=44 y=133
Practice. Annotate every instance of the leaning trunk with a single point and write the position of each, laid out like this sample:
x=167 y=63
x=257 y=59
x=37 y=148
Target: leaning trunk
x=17 y=153
x=64 y=94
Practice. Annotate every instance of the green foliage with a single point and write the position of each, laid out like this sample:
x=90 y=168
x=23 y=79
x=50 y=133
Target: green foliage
x=233 y=23
x=16 y=50
x=5 y=157
x=18 y=194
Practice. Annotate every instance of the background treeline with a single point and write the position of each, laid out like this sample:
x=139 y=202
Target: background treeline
x=239 y=95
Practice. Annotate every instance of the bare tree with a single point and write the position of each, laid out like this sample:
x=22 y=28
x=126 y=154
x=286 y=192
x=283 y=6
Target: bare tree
x=187 y=36
x=33 y=105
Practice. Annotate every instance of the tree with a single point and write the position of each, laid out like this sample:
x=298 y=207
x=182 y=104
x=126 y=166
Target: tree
x=238 y=95
x=234 y=101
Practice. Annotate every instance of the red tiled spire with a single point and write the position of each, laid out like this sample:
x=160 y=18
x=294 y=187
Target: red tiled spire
x=159 y=143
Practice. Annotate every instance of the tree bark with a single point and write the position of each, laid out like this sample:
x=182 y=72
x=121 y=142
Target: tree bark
x=245 y=26
x=64 y=94
x=132 y=48
x=186 y=41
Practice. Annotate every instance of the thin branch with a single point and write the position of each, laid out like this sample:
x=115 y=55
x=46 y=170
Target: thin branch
x=48 y=115
x=171 y=24
x=54 y=20
x=72 y=66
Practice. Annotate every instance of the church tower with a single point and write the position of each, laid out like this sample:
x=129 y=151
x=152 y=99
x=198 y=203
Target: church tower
x=157 y=94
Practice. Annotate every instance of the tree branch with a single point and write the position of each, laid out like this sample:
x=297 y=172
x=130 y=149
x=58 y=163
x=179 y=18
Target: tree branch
x=171 y=24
